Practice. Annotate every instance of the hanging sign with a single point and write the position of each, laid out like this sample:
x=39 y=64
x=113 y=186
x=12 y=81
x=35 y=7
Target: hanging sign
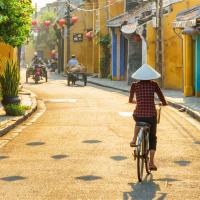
x=184 y=24
x=77 y=37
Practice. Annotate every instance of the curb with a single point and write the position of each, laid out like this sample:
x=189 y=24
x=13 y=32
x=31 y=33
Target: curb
x=108 y=86
x=18 y=120
x=194 y=114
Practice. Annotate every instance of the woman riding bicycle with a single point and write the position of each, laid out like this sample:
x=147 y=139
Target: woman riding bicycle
x=145 y=110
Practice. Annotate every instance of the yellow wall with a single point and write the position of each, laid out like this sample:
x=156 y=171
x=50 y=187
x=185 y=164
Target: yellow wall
x=89 y=52
x=29 y=53
x=7 y=51
x=116 y=8
x=83 y=50
x=173 y=56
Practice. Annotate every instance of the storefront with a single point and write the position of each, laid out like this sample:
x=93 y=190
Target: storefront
x=119 y=50
x=129 y=49
x=188 y=22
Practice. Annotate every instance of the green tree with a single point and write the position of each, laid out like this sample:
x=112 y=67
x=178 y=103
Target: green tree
x=15 y=21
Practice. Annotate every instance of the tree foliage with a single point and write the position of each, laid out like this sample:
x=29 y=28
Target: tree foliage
x=15 y=21
x=46 y=36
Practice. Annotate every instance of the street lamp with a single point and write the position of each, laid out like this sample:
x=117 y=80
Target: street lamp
x=68 y=17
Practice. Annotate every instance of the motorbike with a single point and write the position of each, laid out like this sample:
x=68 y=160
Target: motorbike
x=37 y=72
x=53 y=65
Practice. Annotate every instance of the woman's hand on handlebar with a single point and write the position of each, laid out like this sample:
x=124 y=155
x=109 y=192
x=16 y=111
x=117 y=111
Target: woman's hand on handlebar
x=132 y=101
x=160 y=104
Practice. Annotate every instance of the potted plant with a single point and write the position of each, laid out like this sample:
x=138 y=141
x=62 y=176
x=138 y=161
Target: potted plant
x=9 y=80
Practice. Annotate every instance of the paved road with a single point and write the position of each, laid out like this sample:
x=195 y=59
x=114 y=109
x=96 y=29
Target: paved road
x=77 y=147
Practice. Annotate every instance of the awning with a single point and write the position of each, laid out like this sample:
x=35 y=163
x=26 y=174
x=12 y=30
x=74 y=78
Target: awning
x=130 y=18
x=188 y=18
x=191 y=31
x=117 y=21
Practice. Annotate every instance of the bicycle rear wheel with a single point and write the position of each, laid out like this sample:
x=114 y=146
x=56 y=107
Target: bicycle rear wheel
x=140 y=159
x=146 y=153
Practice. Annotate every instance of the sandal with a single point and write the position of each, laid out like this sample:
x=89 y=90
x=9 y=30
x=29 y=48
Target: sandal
x=152 y=168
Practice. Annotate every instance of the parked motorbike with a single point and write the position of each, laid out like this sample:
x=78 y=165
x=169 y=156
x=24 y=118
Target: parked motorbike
x=53 y=65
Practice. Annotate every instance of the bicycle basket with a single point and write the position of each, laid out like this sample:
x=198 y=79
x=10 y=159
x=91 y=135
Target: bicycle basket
x=158 y=110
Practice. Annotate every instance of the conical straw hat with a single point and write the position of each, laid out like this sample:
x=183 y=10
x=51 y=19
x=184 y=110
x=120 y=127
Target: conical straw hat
x=146 y=72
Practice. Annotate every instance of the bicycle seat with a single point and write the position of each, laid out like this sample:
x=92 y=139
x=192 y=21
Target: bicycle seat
x=143 y=124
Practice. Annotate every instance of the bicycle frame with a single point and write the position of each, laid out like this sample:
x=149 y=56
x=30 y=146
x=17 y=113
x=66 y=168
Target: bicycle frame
x=140 y=136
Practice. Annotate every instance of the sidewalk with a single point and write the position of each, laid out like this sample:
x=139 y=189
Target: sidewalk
x=9 y=122
x=175 y=98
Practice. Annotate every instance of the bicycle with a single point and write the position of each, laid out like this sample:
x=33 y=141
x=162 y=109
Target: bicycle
x=141 y=150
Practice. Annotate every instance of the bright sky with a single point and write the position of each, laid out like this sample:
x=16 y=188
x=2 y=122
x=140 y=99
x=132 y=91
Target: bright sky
x=41 y=3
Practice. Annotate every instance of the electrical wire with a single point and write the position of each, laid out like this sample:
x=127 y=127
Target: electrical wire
x=92 y=10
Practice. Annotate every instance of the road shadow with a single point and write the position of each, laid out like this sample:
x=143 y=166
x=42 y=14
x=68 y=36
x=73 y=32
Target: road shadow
x=35 y=143
x=77 y=84
x=92 y=141
x=145 y=190
x=3 y=157
x=166 y=179
x=89 y=178
x=182 y=162
x=33 y=83
x=59 y=157
x=12 y=178
x=197 y=142
x=118 y=158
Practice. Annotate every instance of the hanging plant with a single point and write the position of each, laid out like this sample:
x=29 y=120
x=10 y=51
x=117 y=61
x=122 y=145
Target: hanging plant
x=105 y=43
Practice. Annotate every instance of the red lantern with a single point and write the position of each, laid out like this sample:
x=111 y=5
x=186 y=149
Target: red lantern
x=53 y=53
x=89 y=35
x=47 y=23
x=136 y=38
x=74 y=19
x=61 y=22
x=34 y=23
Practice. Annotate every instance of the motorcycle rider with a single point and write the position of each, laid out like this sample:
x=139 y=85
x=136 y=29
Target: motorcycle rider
x=35 y=59
x=37 y=62
x=73 y=61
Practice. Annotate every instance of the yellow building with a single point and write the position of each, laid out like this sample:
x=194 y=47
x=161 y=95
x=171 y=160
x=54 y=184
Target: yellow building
x=188 y=22
x=92 y=16
x=173 y=45
x=7 y=52
x=79 y=44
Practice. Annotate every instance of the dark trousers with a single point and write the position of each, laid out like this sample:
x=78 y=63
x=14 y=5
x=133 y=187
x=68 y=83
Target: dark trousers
x=153 y=129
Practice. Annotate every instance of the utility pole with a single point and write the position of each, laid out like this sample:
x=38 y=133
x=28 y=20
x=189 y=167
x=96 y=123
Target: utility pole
x=159 y=41
x=68 y=17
